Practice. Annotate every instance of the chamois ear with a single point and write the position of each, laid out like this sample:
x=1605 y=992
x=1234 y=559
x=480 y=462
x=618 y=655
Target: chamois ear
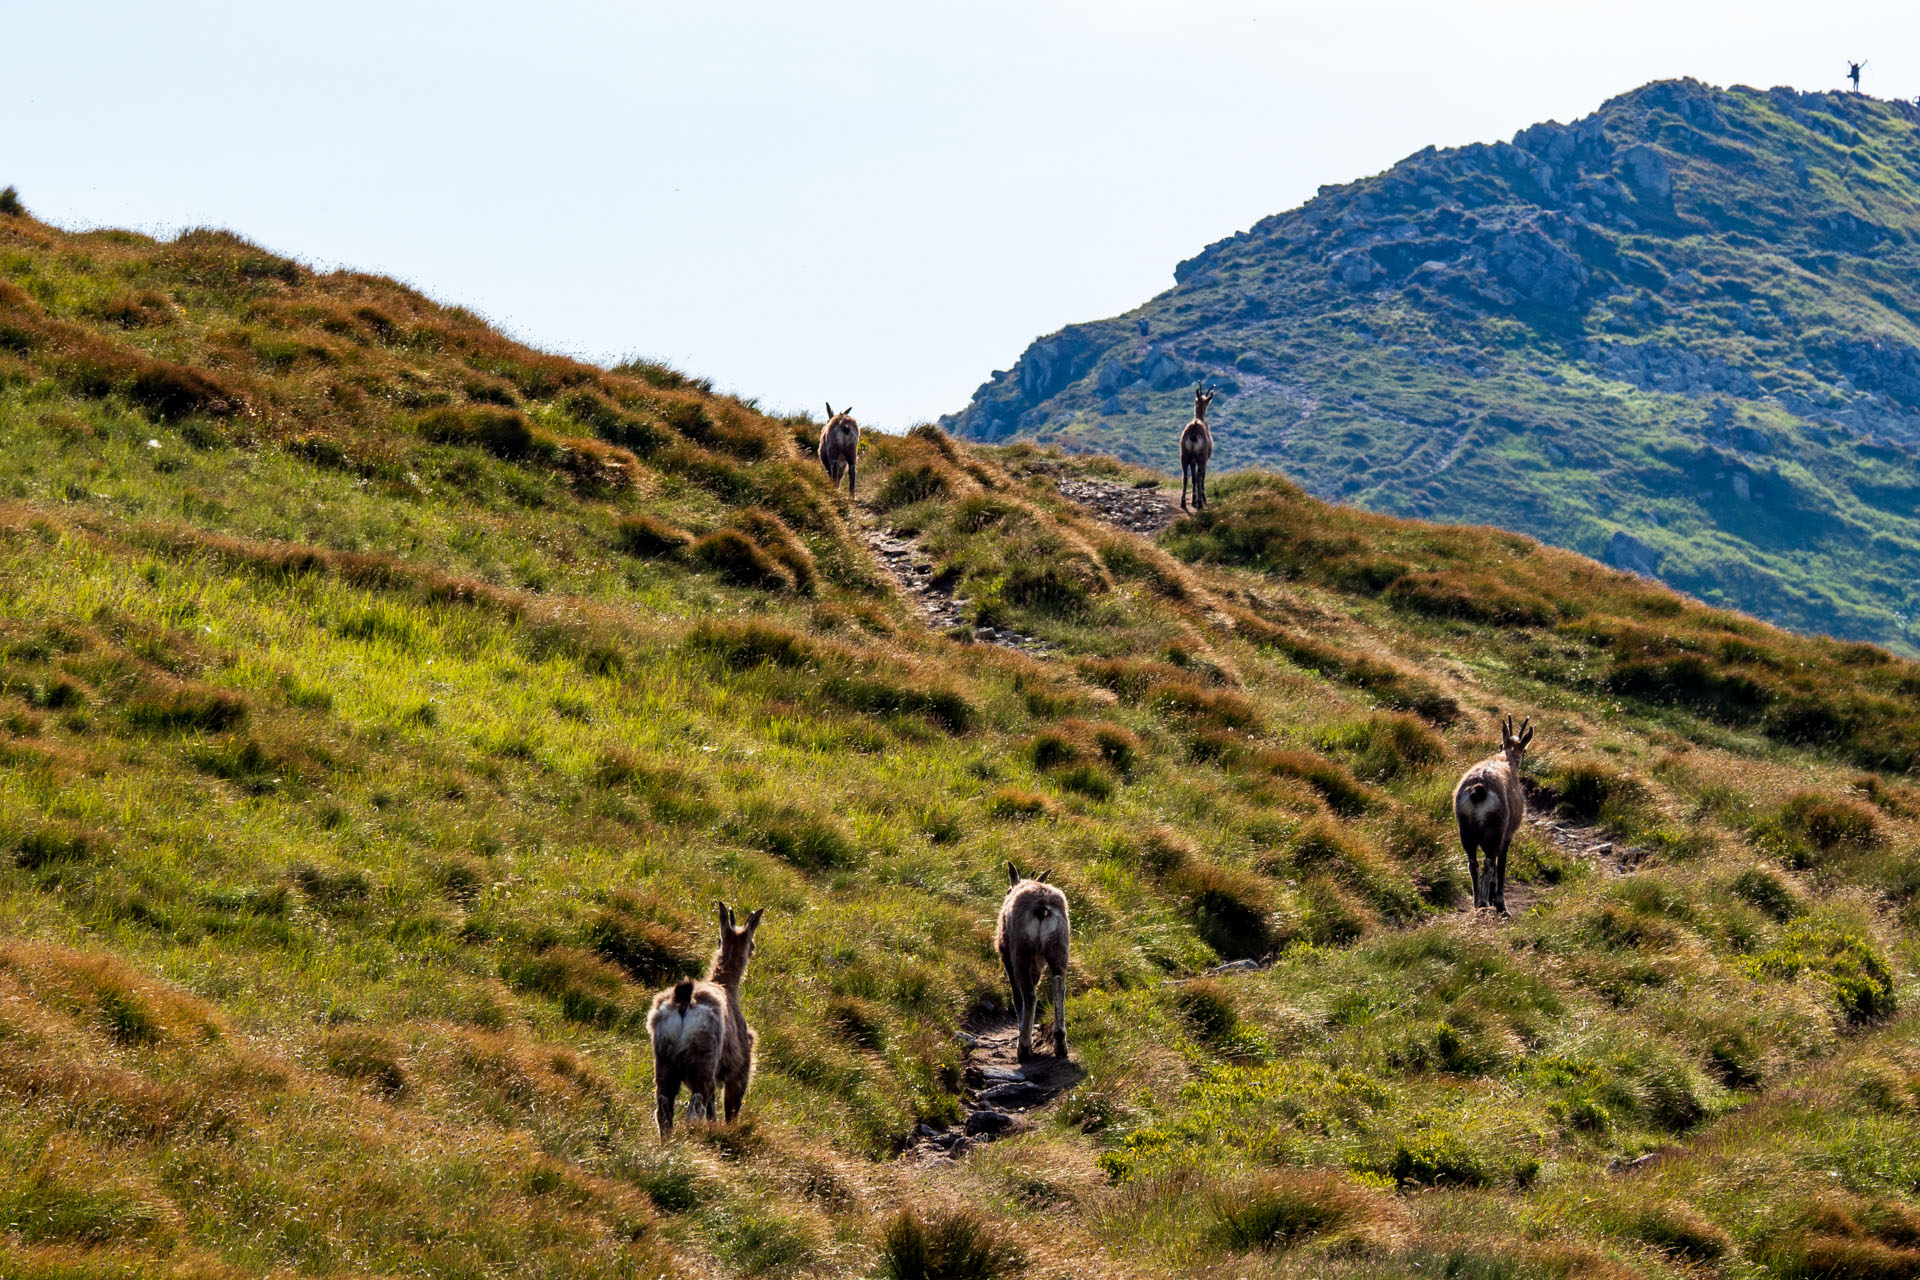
x=1013 y=873
x=753 y=919
x=830 y=413
x=1042 y=877
x=1526 y=731
x=848 y=411
x=720 y=908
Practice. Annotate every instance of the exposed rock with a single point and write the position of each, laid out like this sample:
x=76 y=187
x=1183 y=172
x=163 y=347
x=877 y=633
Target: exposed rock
x=1646 y=172
x=1014 y=1093
x=1624 y=551
x=988 y=1122
x=1356 y=269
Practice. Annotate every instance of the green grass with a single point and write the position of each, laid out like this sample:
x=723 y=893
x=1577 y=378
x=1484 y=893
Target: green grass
x=361 y=788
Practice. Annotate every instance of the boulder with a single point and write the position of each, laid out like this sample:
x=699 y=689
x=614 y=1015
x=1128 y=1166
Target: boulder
x=1624 y=551
x=988 y=1122
x=1646 y=174
x=1356 y=269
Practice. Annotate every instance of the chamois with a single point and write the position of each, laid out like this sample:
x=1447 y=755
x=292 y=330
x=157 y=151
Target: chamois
x=1033 y=930
x=700 y=1033
x=1491 y=804
x=839 y=443
x=1196 y=446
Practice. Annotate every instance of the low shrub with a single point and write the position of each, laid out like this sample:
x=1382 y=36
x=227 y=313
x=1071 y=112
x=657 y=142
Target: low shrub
x=1842 y=957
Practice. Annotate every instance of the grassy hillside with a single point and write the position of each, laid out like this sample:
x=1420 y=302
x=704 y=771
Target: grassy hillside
x=384 y=705
x=1680 y=335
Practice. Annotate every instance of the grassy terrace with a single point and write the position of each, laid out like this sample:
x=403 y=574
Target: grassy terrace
x=384 y=705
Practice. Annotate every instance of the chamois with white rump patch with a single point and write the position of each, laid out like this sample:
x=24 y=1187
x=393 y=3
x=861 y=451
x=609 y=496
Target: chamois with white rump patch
x=1034 y=932
x=1491 y=804
x=700 y=1033
x=839 y=446
x=1196 y=446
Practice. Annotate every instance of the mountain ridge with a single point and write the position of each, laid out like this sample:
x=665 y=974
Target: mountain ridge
x=1681 y=330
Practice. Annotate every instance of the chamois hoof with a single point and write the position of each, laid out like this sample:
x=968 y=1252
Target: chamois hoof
x=1024 y=1053
x=1060 y=1047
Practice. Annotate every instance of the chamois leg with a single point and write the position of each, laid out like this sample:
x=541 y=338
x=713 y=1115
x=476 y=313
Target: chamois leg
x=851 y=482
x=736 y=1095
x=1185 y=469
x=1025 y=1000
x=1497 y=891
x=666 y=1093
x=700 y=1105
x=1468 y=843
x=1019 y=1006
x=1200 y=486
x=1059 y=1014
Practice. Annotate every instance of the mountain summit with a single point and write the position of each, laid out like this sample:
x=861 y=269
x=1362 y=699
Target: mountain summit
x=1681 y=334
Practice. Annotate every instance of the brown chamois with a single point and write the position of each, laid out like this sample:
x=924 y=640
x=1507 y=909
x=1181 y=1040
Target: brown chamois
x=839 y=444
x=1491 y=804
x=700 y=1033
x=1033 y=930
x=1196 y=446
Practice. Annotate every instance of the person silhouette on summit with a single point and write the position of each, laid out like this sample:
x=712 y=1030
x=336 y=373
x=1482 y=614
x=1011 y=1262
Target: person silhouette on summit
x=1853 y=73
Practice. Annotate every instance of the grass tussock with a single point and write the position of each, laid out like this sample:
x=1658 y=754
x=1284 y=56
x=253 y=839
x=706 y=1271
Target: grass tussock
x=952 y=1245
x=649 y=537
x=1287 y=1208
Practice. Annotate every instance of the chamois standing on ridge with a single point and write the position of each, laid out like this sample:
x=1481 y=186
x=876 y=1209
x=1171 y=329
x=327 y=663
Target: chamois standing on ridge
x=839 y=443
x=1196 y=446
x=1033 y=930
x=700 y=1033
x=1491 y=804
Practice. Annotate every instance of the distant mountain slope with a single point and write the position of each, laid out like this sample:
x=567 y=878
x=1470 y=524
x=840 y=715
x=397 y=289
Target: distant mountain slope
x=1682 y=334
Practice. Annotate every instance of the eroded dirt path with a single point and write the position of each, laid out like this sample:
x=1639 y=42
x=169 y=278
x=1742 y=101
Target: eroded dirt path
x=1587 y=843
x=938 y=604
x=999 y=1092
x=1138 y=508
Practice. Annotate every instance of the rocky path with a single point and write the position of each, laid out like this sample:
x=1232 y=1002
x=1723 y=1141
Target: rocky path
x=1137 y=508
x=999 y=1091
x=938 y=604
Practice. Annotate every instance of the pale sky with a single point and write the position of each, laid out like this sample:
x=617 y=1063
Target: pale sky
x=874 y=204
